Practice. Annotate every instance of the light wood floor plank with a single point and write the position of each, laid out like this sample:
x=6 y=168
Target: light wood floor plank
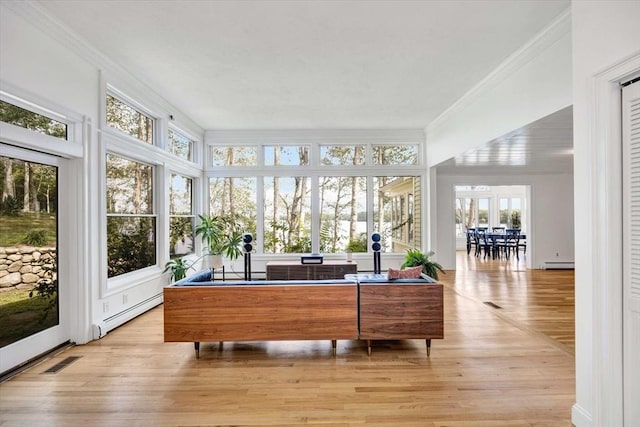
x=496 y=367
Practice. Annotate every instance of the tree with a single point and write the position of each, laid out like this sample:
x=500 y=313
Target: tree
x=9 y=187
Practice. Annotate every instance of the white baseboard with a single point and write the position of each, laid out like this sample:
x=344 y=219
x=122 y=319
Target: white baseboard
x=112 y=322
x=558 y=265
x=580 y=417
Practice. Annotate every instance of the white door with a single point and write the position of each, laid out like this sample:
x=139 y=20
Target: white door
x=631 y=252
x=31 y=307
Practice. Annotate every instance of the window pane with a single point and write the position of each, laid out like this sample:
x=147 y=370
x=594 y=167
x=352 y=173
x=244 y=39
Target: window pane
x=127 y=119
x=286 y=156
x=17 y=116
x=180 y=227
x=504 y=212
x=460 y=224
x=287 y=215
x=395 y=155
x=180 y=145
x=180 y=195
x=235 y=197
x=234 y=156
x=129 y=186
x=516 y=211
x=131 y=244
x=343 y=215
x=483 y=212
x=28 y=242
x=181 y=235
x=390 y=212
x=342 y=155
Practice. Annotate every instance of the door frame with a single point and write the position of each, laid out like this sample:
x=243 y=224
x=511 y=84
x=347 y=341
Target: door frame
x=604 y=145
x=19 y=352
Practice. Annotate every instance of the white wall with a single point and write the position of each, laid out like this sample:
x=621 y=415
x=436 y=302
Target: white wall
x=551 y=221
x=604 y=33
x=533 y=83
x=56 y=69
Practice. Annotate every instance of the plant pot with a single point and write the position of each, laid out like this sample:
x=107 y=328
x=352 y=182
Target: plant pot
x=213 y=261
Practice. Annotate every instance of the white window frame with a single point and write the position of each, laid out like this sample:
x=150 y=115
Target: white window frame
x=119 y=143
x=313 y=170
x=77 y=125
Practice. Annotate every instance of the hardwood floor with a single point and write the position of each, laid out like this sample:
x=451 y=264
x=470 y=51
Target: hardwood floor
x=496 y=367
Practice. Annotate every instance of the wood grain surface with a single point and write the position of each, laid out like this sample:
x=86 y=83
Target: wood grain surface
x=401 y=311
x=509 y=367
x=260 y=313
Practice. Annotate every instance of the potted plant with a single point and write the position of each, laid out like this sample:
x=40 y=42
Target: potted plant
x=178 y=268
x=414 y=258
x=221 y=237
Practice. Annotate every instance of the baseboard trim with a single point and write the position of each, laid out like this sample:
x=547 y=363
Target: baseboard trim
x=580 y=417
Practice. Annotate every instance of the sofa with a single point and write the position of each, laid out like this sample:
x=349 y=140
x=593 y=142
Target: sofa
x=361 y=306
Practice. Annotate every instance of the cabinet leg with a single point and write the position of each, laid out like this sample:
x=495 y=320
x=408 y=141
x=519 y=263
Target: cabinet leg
x=334 y=344
x=197 y=348
x=369 y=347
x=428 y=347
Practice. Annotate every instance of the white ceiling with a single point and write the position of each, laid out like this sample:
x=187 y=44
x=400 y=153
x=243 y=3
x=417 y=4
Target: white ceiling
x=308 y=64
x=544 y=146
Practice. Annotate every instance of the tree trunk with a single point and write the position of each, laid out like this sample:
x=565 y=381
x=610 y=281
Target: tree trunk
x=353 y=217
x=26 y=202
x=33 y=190
x=9 y=189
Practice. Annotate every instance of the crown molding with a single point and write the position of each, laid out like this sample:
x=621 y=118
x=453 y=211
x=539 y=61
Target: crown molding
x=36 y=15
x=415 y=136
x=558 y=28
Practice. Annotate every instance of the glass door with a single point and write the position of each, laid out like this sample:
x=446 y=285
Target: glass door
x=30 y=312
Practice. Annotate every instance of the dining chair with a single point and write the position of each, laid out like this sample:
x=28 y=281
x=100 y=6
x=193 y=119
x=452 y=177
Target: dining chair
x=511 y=242
x=470 y=239
x=484 y=243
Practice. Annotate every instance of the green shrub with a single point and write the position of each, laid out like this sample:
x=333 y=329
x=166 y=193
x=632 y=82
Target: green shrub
x=9 y=206
x=35 y=238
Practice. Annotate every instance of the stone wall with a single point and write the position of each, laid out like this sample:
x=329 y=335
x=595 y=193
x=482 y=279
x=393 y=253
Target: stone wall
x=22 y=267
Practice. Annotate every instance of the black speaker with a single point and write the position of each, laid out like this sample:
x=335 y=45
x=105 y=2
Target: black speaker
x=247 y=238
x=376 y=252
x=376 y=242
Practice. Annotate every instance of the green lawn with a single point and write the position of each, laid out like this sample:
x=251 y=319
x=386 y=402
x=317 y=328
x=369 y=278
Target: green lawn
x=13 y=229
x=21 y=316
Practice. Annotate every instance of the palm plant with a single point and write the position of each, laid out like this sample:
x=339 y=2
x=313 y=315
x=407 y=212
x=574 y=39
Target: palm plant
x=414 y=257
x=221 y=235
x=178 y=268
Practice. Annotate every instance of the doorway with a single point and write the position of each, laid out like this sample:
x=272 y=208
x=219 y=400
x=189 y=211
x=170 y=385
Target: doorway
x=499 y=208
x=31 y=304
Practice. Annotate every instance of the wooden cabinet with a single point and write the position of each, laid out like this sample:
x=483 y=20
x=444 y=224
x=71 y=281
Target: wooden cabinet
x=287 y=270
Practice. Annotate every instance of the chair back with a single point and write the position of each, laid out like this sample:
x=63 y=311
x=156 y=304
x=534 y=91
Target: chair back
x=512 y=235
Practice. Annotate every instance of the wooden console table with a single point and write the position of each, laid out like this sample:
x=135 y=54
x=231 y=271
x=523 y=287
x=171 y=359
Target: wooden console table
x=291 y=270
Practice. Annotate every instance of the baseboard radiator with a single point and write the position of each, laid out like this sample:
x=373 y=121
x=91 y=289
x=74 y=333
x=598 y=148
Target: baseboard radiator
x=110 y=323
x=558 y=265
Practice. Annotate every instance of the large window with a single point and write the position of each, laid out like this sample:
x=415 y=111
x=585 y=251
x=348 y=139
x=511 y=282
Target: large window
x=396 y=211
x=234 y=156
x=511 y=212
x=489 y=206
x=322 y=203
x=18 y=116
x=286 y=155
x=129 y=120
x=181 y=216
x=131 y=219
x=287 y=215
x=180 y=145
x=235 y=197
x=343 y=214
